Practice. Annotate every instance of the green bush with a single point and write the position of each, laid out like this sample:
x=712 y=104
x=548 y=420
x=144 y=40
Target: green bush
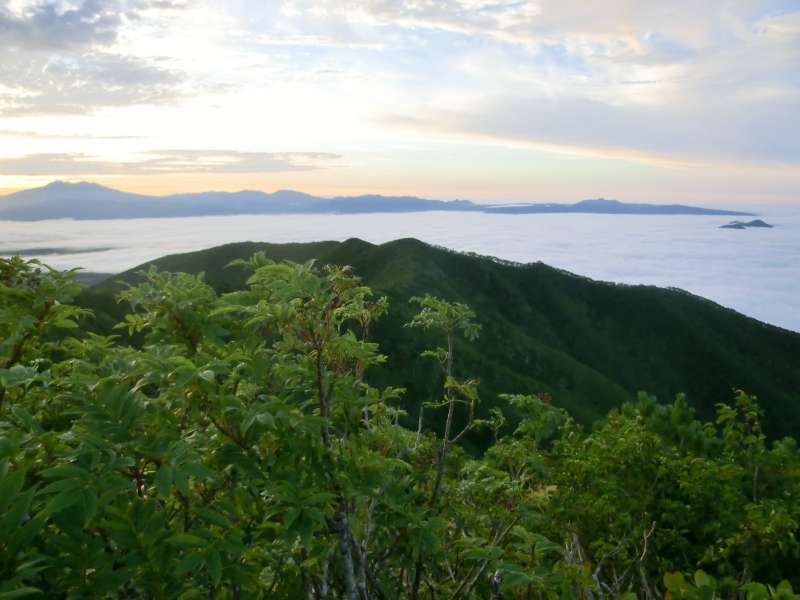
x=240 y=451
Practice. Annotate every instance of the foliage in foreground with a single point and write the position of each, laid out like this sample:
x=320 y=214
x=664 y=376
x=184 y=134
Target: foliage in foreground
x=240 y=452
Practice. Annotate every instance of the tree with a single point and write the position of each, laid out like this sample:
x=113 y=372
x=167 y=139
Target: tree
x=236 y=449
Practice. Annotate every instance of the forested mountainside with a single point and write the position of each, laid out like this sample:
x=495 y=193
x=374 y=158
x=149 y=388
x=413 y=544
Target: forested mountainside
x=243 y=447
x=588 y=345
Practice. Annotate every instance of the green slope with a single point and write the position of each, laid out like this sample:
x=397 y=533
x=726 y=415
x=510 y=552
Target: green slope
x=590 y=345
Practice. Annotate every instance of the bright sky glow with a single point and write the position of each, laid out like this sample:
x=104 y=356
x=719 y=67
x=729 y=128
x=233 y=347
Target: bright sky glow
x=686 y=101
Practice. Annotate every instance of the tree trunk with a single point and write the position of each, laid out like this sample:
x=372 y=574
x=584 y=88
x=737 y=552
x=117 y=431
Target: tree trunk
x=451 y=409
x=419 y=427
x=440 y=465
x=340 y=524
x=342 y=527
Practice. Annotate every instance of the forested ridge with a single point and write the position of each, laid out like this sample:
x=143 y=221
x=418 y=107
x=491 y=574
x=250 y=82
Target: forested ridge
x=245 y=443
x=589 y=345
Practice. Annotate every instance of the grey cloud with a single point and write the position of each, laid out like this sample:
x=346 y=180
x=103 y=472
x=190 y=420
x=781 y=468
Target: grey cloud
x=55 y=61
x=625 y=31
x=73 y=85
x=544 y=19
x=43 y=26
x=166 y=4
x=693 y=83
x=716 y=130
x=162 y=162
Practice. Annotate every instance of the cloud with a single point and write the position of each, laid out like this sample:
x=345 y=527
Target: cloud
x=616 y=27
x=75 y=85
x=676 y=83
x=512 y=21
x=45 y=27
x=78 y=84
x=680 y=82
x=751 y=133
x=171 y=5
x=56 y=60
x=666 y=83
x=63 y=136
x=756 y=272
x=162 y=162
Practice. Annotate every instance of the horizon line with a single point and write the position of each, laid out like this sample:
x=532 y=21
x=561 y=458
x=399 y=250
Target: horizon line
x=4 y=194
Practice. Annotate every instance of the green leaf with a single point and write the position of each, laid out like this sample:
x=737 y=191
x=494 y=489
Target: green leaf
x=25 y=534
x=17 y=375
x=89 y=505
x=756 y=591
x=512 y=579
x=215 y=566
x=64 y=471
x=674 y=582
x=65 y=324
x=185 y=540
x=290 y=517
x=19 y=593
x=10 y=486
x=196 y=469
x=163 y=481
x=784 y=587
x=61 y=485
x=190 y=563
x=30 y=568
x=214 y=518
x=702 y=579
x=63 y=500
x=266 y=418
x=180 y=478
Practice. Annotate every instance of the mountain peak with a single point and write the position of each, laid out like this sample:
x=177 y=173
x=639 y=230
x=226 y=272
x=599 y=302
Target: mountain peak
x=598 y=202
x=68 y=185
x=290 y=193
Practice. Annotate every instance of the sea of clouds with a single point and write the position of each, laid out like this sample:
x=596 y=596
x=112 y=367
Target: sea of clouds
x=754 y=271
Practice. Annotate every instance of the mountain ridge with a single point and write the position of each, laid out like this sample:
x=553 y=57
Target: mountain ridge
x=92 y=201
x=589 y=345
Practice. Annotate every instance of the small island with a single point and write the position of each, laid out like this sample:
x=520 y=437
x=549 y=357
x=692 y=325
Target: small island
x=747 y=225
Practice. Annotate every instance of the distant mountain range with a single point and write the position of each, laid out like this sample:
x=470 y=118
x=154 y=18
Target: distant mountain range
x=60 y=200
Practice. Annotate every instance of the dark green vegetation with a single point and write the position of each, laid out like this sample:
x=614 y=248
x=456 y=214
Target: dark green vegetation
x=589 y=346
x=241 y=449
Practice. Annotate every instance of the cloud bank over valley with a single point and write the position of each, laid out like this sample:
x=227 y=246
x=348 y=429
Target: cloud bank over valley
x=756 y=271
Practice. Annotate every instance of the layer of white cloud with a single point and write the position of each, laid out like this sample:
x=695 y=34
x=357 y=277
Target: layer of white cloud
x=39 y=135
x=163 y=162
x=756 y=272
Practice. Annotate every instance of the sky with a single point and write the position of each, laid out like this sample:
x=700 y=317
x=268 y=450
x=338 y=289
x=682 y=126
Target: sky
x=499 y=100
